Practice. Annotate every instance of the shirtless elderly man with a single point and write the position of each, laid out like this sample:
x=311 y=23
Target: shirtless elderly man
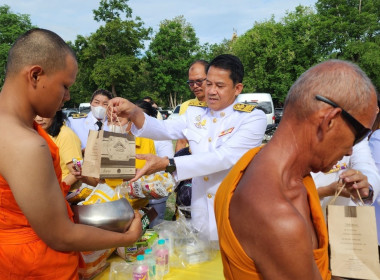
x=269 y=218
x=37 y=236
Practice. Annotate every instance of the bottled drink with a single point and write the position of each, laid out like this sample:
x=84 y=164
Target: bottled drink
x=162 y=259
x=151 y=262
x=140 y=269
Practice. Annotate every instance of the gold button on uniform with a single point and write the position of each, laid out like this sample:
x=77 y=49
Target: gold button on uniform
x=222 y=114
x=214 y=120
x=205 y=178
x=209 y=139
x=209 y=195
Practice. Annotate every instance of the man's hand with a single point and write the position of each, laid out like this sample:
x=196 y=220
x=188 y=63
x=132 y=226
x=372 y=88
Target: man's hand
x=122 y=108
x=355 y=180
x=153 y=164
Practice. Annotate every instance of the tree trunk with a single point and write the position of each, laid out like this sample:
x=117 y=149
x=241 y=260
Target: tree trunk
x=114 y=91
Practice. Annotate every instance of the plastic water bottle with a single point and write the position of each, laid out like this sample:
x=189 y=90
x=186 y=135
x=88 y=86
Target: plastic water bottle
x=162 y=259
x=140 y=269
x=151 y=262
x=169 y=240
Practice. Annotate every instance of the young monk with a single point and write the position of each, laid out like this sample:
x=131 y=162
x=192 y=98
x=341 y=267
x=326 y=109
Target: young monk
x=38 y=239
x=268 y=214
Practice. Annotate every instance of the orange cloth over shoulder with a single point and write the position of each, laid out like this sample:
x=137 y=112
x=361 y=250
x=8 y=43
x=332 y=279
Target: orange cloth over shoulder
x=23 y=255
x=236 y=263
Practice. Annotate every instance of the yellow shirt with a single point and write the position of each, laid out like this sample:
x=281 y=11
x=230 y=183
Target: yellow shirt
x=69 y=147
x=144 y=146
x=184 y=106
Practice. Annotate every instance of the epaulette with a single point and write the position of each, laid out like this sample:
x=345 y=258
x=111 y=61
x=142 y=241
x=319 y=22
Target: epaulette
x=79 y=115
x=197 y=103
x=248 y=108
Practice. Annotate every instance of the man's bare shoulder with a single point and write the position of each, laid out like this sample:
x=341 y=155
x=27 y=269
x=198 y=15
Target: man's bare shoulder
x=261 y=213
x=18 y=141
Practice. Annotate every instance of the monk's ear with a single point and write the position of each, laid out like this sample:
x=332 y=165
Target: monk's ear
x=328 y=121
x=34 y=74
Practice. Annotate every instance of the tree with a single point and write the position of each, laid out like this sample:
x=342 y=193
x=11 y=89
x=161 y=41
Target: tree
x=274 y=53
x=345 y=21
x=351 y=31
x=108 y=57
x=170 y=54
x=11 y=27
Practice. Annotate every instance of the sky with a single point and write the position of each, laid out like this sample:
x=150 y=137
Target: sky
x=213 y=20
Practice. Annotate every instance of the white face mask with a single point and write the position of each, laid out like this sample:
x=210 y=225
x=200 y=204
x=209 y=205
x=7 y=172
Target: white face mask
x=116 y=128
x=99 y=112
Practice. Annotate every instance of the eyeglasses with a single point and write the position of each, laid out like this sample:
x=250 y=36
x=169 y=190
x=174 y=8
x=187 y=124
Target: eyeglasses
x=361 y=130
x=196 y=82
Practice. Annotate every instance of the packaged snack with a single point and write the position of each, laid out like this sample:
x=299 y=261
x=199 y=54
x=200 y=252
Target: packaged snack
x=146 y=241
x=80 y=194
x=154 y=186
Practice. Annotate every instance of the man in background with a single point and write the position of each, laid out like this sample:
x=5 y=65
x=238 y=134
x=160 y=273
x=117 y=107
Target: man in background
x=197 y=84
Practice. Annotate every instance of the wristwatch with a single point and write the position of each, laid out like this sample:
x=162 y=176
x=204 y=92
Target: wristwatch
x=171 y=166
x=370 y=194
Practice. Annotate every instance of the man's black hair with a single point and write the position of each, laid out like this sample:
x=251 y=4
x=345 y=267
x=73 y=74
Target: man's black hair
x=102 y=92
x=231 y=63
x=147 y=107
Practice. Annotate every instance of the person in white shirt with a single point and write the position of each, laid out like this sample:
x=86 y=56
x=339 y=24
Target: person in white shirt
x=374 y=144
x=359 y=168
x=94 y=120
x=219 y=132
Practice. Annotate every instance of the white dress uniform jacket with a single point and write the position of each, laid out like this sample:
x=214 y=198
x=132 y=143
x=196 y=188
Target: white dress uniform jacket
x=361 y=159
x=83 y=125
x=374 y=144
x=217 y=140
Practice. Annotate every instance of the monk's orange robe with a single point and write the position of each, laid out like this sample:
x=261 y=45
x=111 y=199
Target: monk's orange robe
x=23 y=255
x=236 y=263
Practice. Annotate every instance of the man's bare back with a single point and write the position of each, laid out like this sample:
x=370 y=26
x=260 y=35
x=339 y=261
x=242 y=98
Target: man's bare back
x=274 y=226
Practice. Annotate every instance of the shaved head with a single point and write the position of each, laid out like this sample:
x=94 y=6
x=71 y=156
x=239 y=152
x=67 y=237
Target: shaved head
x=341 y=81
x=38 y=47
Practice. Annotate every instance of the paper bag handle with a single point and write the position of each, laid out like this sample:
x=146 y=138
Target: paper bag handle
x=337 y=193
x=117 y=120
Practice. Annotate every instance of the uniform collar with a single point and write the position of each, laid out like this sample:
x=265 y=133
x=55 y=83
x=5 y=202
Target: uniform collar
x=224 y=112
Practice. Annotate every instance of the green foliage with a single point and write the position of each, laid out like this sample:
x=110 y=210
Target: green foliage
x=11 y=26
x=170 y=53
x=112 y=9
x=274 y=53
x=108 y=57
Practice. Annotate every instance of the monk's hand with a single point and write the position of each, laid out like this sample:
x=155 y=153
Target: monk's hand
x=135 y=230
x=152 y=165
x=355 y=181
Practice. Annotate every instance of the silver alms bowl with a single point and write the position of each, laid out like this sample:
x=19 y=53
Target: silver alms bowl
x=113 y=215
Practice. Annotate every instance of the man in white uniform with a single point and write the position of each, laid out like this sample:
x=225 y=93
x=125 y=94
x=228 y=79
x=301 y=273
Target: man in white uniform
x=94 y=120
x=219 y=132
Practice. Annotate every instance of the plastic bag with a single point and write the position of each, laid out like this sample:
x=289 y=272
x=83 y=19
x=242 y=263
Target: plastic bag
x=187 y=245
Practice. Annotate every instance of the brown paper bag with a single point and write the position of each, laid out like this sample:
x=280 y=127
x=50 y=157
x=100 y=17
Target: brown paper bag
x=353 y=242
x=109 y=155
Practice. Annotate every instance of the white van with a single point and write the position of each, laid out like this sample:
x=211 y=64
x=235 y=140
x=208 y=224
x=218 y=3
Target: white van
x=84 y=107
x=263 y=100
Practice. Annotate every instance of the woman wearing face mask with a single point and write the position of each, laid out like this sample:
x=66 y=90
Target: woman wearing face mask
x=94 y=120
